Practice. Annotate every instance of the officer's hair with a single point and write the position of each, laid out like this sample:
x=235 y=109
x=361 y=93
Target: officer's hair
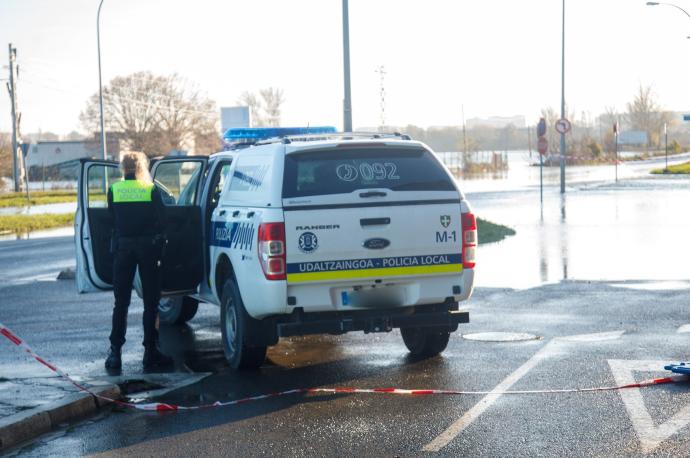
x=136 y=163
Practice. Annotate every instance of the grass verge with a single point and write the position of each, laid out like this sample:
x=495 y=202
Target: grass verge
x=680 y=169
x=20 y=224
x=491 y=232
x=18 y=199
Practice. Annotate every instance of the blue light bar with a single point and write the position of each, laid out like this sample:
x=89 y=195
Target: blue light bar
x=255 y=134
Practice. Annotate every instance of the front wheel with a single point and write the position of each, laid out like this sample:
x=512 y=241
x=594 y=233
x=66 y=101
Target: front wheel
x=235 y=324
x=425 y=342
x=177 y=310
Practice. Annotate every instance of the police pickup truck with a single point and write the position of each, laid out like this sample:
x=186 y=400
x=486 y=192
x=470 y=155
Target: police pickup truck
x=296 y=231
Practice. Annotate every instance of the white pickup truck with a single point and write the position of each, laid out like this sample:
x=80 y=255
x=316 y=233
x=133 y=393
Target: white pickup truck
x=315 y=232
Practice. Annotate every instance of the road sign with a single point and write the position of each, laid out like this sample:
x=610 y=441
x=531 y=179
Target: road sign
x=541 y=127
x=686 y=117
x=563 y=126
x=542 y=145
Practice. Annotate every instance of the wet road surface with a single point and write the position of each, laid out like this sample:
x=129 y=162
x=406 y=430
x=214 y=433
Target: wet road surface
x=640 y=325
x=612 y=263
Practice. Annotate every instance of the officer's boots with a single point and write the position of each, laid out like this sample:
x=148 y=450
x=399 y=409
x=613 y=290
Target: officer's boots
x=154 y=358
x=114 y=359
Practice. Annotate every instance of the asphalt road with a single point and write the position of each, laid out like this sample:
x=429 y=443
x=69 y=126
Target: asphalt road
x=640 y=325
x=24 y=261
x=589 y=333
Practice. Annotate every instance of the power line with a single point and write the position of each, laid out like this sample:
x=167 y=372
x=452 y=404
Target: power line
x=110 y=97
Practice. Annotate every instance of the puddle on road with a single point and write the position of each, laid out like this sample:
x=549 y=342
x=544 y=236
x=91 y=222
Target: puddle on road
x=58 y=232
x=607 y=233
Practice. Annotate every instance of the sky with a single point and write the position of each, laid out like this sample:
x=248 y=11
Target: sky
x=490 y=57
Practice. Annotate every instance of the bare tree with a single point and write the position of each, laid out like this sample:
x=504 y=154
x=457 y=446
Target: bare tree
x=185 y=113
x=272 y=101
x=606 y=122
x=265 y=109
x=250 y=100
x=154 y=114
x=645 y=114
x=5 y=155
x=207 y=142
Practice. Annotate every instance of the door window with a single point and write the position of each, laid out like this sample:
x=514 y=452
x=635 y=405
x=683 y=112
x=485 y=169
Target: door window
x=100 y=178
x=178 y=181
x=221 y=176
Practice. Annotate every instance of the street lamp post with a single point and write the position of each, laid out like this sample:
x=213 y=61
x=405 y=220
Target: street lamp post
x=104 y=147
x=347 y=102
x=668 y=4
x=563 y=100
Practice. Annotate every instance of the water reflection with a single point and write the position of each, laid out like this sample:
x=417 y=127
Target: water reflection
x=65 y=207
x=595 y=232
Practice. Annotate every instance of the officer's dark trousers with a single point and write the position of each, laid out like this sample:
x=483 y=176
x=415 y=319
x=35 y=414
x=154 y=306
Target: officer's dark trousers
x=133 y=252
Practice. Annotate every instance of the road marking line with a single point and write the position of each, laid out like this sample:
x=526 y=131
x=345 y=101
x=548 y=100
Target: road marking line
x=547 y=350
x=649 y=434
x=463 y=422
x=683 y=329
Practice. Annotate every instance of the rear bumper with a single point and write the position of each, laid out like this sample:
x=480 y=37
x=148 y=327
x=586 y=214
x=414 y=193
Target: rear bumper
x=444 y=317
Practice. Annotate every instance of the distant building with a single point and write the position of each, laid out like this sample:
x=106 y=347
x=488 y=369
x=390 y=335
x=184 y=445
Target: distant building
x=231 y=117
x=55 y=152
x=59 y=159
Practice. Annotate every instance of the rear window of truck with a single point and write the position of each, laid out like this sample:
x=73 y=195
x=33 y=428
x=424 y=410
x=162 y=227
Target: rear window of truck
x=344 y=170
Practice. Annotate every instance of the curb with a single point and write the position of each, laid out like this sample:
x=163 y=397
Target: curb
x=32 y=423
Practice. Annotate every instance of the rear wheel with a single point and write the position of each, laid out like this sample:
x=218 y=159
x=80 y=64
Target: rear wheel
x=177 y=310
x=425 y=342
x=235 y=326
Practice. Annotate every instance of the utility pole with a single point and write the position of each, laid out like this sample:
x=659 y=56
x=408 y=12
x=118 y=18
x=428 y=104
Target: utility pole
x=17 y=156
x=347 y=102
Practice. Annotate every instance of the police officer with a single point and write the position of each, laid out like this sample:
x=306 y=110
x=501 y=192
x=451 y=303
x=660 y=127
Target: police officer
x=139 y=216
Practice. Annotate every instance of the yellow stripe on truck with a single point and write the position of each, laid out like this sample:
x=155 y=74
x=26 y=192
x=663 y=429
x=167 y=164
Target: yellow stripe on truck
x=375 y=273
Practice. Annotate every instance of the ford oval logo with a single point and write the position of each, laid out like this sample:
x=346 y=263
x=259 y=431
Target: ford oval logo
x=376 y=244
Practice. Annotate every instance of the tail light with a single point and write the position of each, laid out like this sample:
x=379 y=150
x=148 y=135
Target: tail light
x=469 y=240
x=271 y=250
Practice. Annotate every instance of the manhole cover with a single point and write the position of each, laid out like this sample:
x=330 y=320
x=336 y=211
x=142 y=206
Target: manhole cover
x=500 y=336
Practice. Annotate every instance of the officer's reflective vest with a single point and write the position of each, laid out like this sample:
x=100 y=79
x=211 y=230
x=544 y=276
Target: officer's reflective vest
x=132 y=191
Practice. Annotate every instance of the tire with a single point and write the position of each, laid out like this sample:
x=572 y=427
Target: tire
x=177 y=310
x=425 y=342
x=235 y=326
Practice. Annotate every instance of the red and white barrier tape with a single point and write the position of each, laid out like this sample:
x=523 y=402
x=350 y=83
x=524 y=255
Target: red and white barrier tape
x=162 y=407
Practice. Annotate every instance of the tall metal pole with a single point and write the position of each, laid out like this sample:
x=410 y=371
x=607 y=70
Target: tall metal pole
x=104 y=147
x=17 y=158
x=563 y=101
x=347 y=102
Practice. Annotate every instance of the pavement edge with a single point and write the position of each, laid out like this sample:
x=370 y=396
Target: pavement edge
x=27 y=425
